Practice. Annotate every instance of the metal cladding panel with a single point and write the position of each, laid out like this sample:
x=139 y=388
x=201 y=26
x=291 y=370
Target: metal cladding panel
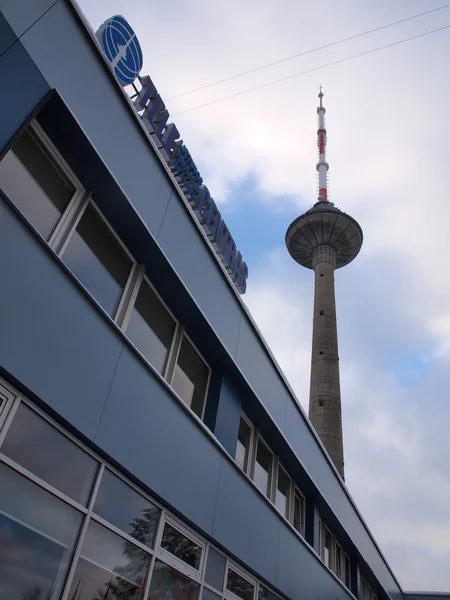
x=7 y=35
x=70 y=64
x=301 y=576
x=228 y=416
x=23 y=90
x=258 y=368
x=52 y=340
x=187 y=253
x=145 y=429
x=245 y=524
x=22 y=15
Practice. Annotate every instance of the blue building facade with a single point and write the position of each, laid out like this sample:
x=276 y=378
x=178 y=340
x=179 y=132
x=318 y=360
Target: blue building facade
x=150 y=447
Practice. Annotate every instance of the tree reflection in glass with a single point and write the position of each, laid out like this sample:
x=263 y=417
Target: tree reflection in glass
x=168 y=584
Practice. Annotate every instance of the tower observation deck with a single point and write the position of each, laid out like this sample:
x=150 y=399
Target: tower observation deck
x=324 y=239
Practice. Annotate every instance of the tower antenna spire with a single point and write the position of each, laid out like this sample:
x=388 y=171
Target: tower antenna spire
x=324 y=239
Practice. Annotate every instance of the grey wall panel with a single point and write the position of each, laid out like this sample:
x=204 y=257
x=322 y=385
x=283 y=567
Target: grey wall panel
x=228 y=416
x=245 y=524
x=22 y=15
x=52 y=340
x=22 y=91
x=147 y=431
x=70 y=65
x=301 y=576
x=258 y=368
x=186 y=251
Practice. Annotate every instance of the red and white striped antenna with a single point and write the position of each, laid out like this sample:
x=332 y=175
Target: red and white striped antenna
x=322 y=166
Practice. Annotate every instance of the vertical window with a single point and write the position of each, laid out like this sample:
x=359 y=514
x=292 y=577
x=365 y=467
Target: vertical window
x=339 y=567
x=181 y=546
x=282 y=491
x=328 y=549
x=95 y=256
x=190 y=379
x=151 y=328
x=239 y=586
x=348 y=572
x=263 y=468
x=299 y=512
x=35 y=183
x=168 y=584
x=215 y=569
x=243 y=445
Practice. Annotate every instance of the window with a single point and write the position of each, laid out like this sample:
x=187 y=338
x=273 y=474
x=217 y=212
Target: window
x=167 y=583
x=190 y=379
x=328 y=549
x=151 y=328
x=243 y=445
x=282 y=492
x=124 y=507
x=299 y=512
x=215 y=569
x=40 y=448
x=263 y=468
x=339 y=566
x=347 y=571
x=266 y=594
x=97 y=259
x=240 y=586
x=367 y=591
x=35 y=182
x=181 y=546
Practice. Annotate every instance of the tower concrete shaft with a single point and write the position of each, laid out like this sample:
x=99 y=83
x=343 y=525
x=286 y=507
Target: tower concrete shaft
x=325 y=392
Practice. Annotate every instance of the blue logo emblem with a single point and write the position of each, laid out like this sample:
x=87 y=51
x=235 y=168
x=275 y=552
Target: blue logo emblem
x=121 y=47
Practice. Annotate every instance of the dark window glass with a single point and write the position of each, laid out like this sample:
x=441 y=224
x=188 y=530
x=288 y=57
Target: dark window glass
x=265 y=594
x=298 y=512
x=168 y=584
x=263 y=468
x=37 y=534
x=125 y=508
x=215 y=569
x=181 y=546
x=209 y=595
x=282 y=492
x=347 y=571
x=109 y=567
x=34 y=182
x=243 y=445
x=151 y=328
x=191 y=378
x=97 y=260
x=239 y=586
x=43 y=450
x=339 y=562
x=328 y=557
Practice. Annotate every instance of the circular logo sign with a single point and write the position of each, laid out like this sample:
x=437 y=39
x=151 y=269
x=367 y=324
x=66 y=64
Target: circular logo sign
x=121 y=48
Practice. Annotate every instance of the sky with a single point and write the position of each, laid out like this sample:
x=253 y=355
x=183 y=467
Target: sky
x=388 y=145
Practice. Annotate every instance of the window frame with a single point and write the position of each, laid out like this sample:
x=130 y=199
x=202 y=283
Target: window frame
x=271 y=474
x=171 y=367
x=251 y=445
x=297 y=492
x=228 y=594
x=289 y=496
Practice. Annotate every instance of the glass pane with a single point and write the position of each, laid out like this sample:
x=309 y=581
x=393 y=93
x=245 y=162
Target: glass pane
x=151 y=328
x=239 y=586
x=282 y=493
x=265 y=594
x=209 y=595
x=263 y=467
x=338 y=568
x=97 y=260
x=191 y=378
x=125 y=508
x=328 y=549
x=43 y=450
x=298 y=513
x=347 y=571
x=181 y=546
x=243 y=445
x=215 y=569
x=168 y=584
x=109 y=567
x=37 y=533
x=35 y=184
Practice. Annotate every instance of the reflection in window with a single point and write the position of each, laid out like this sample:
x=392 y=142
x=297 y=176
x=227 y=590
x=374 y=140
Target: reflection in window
x=97 y=260
x=243 y=445
x=168 y=584
x=181 y=546
x=328 y=549
x=109 y=567
x=125 y=508
x=239 y=586
x=35 y=183
x=151 y=328
x=191 y=377
x=299 y=512
x=265 y=594
x=37 y=534
x=282 y=492
x=42 y=449
x=215 y=569
x=263 y=468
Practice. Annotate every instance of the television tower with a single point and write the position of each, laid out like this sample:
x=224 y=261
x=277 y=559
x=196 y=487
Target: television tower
x=324 y=239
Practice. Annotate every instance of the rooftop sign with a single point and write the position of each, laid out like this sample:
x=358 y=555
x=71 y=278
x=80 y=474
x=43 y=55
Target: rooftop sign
x=122 y=49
